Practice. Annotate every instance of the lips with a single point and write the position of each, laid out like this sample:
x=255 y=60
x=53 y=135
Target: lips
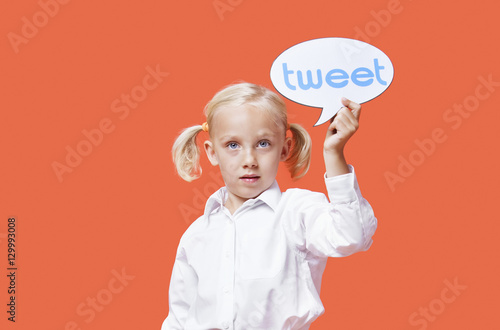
x=250 y=178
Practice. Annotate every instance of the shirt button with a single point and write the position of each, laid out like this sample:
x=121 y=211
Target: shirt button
x=226 y=289
x=228 y=253
x=225 y=325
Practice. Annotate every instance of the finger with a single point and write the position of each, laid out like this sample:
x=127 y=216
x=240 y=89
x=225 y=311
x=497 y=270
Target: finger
x=348 y=120
x=345 y=125
x=332 y=128
x=341 y=121
x=355 y=107
x=345 y=114
x=357 y=113
x=345 y=111
x=350 y=104
x=353 y=115
x=336 y=120
x=333 y=118
x=341 y=126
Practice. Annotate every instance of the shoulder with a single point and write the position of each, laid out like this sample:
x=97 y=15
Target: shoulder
x=300 y=192
x=298 y=196
x=195 y=227
x=212 y=204
x=189 y=236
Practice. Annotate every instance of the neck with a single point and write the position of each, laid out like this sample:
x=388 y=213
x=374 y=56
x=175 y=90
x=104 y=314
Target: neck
x=233 y=203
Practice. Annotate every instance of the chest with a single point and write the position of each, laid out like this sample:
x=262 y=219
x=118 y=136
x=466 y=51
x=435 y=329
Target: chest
x=247 y=246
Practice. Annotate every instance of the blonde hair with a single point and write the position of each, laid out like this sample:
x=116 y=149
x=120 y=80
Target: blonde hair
x=186 y=153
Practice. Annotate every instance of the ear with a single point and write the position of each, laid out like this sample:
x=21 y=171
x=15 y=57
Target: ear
x=285 y=151
x=209 y=149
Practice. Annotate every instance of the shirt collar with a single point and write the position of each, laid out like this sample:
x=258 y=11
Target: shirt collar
x=270 y=196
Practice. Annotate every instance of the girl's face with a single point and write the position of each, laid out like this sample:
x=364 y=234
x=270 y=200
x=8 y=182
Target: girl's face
x=248 y=146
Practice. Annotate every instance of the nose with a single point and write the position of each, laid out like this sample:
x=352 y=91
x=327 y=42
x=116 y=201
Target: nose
x=249 y=159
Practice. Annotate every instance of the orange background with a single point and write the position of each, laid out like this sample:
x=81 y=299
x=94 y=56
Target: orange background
x=121 y=208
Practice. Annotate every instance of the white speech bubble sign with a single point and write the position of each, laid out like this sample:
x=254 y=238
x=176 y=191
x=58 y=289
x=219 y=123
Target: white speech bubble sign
x=319 y=72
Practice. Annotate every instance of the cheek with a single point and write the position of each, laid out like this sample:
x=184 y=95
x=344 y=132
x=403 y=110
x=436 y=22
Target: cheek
x=271 y=161
x=228 y=164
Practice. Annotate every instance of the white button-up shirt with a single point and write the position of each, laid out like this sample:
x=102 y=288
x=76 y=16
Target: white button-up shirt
x=261 y=267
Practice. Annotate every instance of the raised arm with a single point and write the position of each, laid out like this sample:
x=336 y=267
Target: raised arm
x=346 y=224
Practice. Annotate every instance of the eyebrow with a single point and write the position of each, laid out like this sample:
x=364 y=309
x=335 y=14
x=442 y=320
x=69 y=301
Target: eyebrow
x=228 y=137
x=260 y=135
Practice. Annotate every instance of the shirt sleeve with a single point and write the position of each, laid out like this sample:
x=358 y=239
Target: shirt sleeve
x=338 y=228
x=181 y=294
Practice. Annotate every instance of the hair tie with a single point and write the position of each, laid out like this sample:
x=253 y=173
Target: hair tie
x=204 y=126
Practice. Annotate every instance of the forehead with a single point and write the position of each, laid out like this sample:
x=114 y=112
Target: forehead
x=244 y=120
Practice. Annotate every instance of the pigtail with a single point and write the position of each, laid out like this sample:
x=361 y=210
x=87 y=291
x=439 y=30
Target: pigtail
x=300 y=156
x=186 y=154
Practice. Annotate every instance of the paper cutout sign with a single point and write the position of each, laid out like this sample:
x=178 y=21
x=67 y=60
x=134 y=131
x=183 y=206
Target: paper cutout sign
x=319 y=72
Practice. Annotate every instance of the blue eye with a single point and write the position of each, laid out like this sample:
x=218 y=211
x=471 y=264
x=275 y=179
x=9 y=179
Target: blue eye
x=232 y=145
x=264 y=144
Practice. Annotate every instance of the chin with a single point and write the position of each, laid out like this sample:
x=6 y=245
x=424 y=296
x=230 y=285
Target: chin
x=251 y=193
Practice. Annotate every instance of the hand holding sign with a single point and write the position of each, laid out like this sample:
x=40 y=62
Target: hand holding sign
x=342 y=127
x=320 y=72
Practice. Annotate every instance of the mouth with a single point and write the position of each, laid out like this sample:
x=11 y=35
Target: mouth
x=250 y=178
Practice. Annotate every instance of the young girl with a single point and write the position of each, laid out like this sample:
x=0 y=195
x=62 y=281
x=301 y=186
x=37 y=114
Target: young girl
x=255 y=258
